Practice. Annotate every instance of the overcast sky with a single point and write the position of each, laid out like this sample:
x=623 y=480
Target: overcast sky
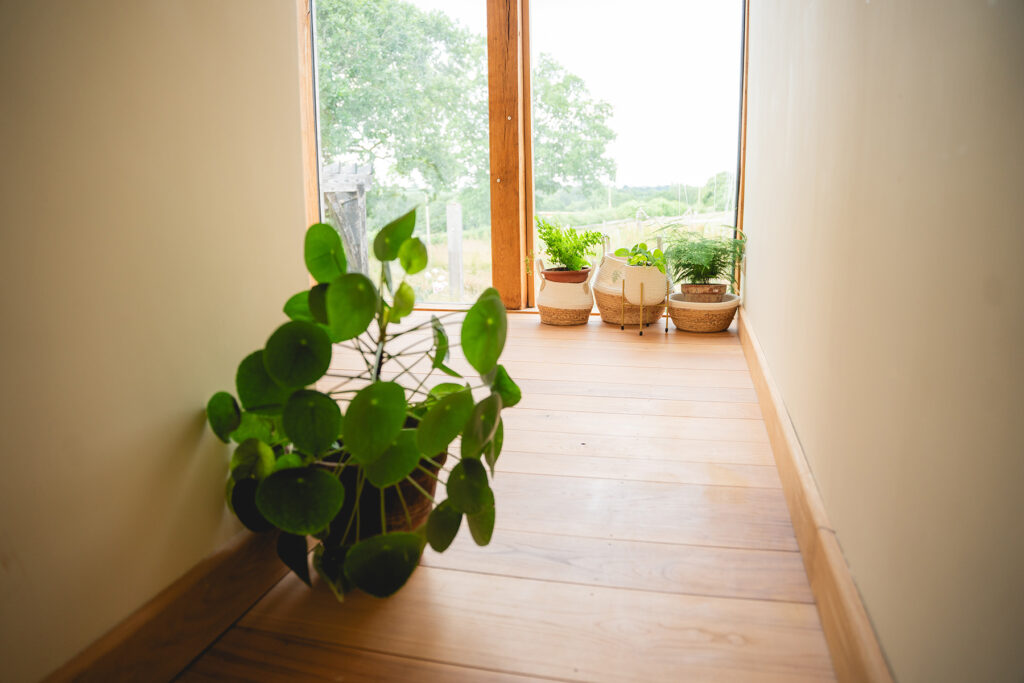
x=669 y=68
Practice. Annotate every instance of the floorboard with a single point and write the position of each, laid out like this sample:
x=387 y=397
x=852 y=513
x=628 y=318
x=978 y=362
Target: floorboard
x=641 y=535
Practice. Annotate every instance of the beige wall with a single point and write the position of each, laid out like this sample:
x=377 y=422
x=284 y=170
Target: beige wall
x=885 y=209
x=151 y=214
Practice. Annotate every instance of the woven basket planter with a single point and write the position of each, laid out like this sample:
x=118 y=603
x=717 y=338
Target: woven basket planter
x=692 y=316
x=562 y=302
x=564 y=316
x=611 y=309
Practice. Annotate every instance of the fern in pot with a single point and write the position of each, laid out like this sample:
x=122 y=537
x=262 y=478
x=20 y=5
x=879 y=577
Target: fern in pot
x=700 y=263
x=568 y=250
x=353 y=459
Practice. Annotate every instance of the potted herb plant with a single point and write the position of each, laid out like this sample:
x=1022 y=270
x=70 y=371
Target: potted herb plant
x=697 y=262
x=565 y=296
x=356 y=464
x=568 y=250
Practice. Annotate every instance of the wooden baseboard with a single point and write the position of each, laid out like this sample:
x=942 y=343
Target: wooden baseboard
x=160 y=639
x=856 y=654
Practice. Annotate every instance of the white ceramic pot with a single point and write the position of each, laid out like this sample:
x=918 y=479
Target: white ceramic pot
x=565 y=295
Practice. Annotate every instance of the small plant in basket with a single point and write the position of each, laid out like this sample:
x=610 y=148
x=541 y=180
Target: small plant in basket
x=355 y=465
x=568 y=249
x=698 y=261
x=640 y=255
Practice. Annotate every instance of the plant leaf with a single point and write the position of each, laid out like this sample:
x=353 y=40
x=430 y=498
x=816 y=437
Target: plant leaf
x=297 y=354
x=294 y=553
x=412 y=255
x=380 y=565
x=443 y=526
x=288 y=461
x=441 y=345
x=297 y=307
x=480 y=427
x=243 y=504
x=373 y=420
x=325 y=255
x=253 y=459
x=311 y=420
x=224 y=415
x=396 y=463
x=508 y=390
x=257 y=390
x=301 y=500
x=481 y=525
x=351 y=305
x=493 y=449
x=318 y=303
x=468 y=489
x=405 y=300
x=389 y=240
x=484 y=330
x=444 y=421
x=262 y=426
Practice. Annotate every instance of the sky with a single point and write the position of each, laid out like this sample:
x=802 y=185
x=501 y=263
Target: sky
x=669 y=68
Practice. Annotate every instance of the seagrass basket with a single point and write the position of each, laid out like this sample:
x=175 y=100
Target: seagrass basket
x=612 y=311
x=691 y=316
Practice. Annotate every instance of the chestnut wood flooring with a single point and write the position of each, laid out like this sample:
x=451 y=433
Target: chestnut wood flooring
x=641 y=535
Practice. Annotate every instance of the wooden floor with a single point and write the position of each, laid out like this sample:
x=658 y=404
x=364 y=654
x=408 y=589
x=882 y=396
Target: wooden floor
x=641 y=535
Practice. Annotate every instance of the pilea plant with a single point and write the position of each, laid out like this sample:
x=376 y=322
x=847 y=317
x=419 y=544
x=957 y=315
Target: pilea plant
x=639 y=255
x=352 y=458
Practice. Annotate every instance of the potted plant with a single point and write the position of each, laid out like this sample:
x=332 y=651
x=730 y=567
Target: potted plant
x=355 y=465
x=697 y=261
x=568 y=250
x=564 y=296
x=644 y=281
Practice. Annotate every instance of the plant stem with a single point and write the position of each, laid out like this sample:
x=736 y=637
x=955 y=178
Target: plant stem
x=408 y=517
x=421 y=489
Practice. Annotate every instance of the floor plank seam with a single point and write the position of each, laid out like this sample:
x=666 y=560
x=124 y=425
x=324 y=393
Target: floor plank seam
x=499 y=528
x=640 y=480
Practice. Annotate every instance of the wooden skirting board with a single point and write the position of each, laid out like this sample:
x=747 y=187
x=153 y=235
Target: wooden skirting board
x=856 y=654
x=164 y=635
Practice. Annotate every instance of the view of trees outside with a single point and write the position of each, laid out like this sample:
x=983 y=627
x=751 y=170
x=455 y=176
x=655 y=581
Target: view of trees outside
x=403 y=93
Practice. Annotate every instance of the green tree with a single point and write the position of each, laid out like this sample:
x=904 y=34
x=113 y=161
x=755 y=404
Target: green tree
x=408 y=86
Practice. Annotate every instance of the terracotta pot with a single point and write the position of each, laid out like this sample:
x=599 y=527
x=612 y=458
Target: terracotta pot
x=705 y=294
x=563 y=275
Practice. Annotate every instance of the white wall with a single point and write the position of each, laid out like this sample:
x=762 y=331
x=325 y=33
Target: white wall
x=885 y=210
x=151 y=214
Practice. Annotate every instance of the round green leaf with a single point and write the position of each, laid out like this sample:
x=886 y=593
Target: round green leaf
x=351 y=305
x=318 y=303
x=253 y=459
x=373 y=420
x=509 y=391
x=243 y=504
x=443 y=422
x=483 y=332
x=297 y=354
x=441 y=390
x=325 y=255
x=493 y=449
x=481 y=525
x=301 y=500
x=479 y=428
x=442 y=526
x=311 y=420
x=389 y=240
x=262 y=426
x=297 y=307
x=412 y=255
x=224 y=415
x=441 y=344
x=382 y=564
x=287 y=461
x=468 y=489
x=257 y=390
x=405 y=300
x=396 y=463
x=294 y=553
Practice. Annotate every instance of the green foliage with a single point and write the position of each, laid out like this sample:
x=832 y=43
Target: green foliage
x=639 y=255
x=565 y=246
x=696 y=259
x=338 y=463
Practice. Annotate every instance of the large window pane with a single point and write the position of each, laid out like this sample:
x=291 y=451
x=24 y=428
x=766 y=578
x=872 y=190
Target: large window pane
x=636 y=114
x=403 y=122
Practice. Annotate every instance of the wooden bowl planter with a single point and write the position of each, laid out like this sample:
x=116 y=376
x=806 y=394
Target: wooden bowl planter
x=707 y=294
x=694 y=316
x=564 y=300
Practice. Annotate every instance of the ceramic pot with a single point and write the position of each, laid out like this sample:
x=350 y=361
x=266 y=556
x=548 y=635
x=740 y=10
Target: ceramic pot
x=563 y=275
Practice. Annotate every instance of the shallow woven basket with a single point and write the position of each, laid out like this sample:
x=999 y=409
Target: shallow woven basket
x=610 y=307
x=564 y=316
x=702 y=317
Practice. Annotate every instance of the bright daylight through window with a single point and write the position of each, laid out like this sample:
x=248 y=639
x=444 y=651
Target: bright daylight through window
x=635 y=122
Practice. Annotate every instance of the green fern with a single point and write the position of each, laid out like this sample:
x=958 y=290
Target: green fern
x=566 y=247
x=696 y=259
